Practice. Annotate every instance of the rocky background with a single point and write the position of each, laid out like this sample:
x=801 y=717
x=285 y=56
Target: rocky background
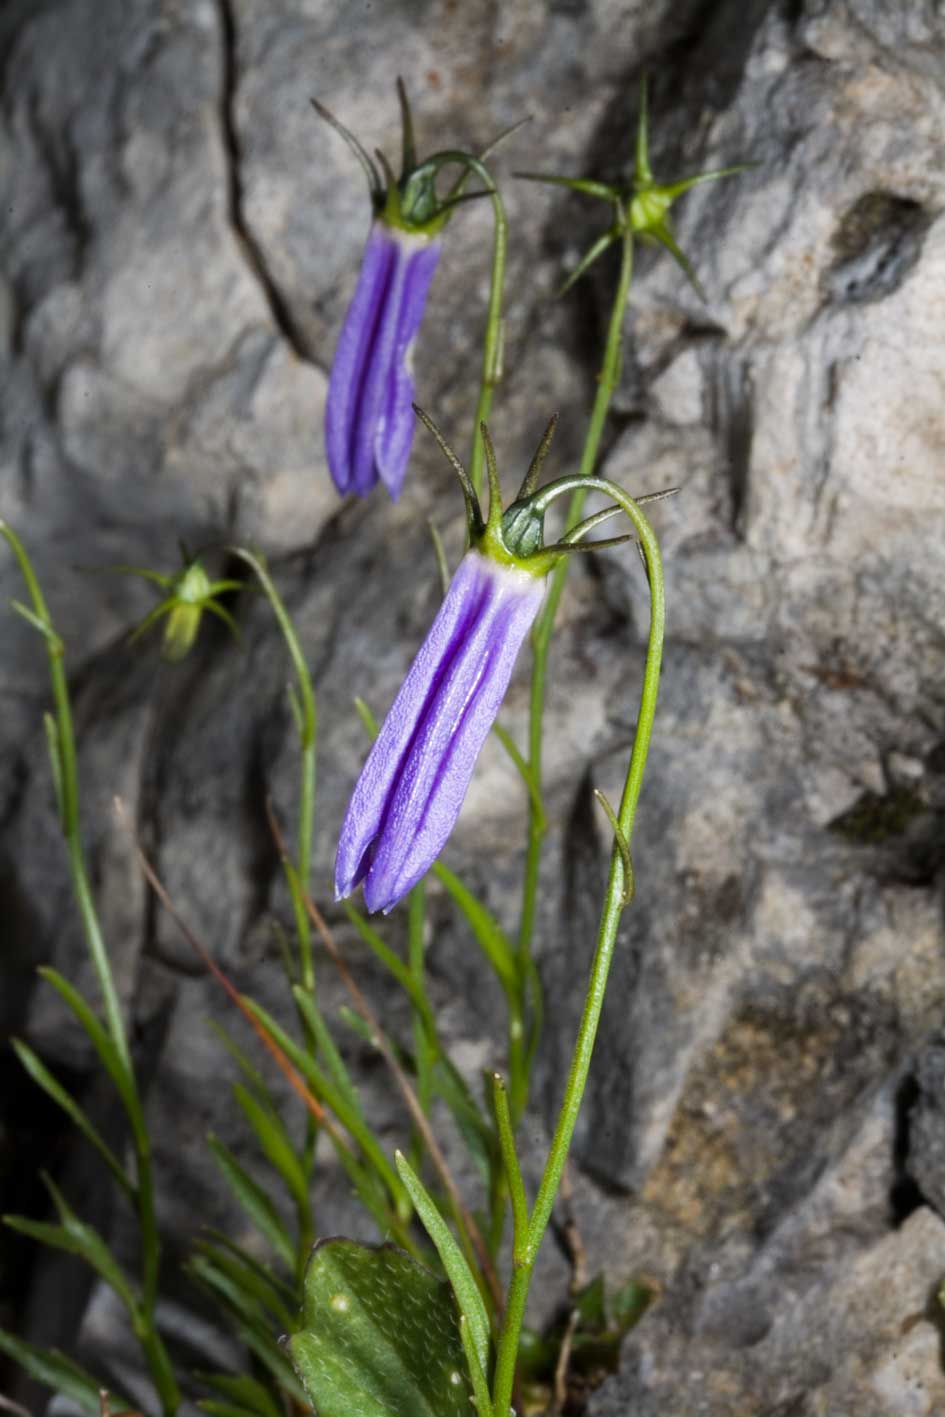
x=765 y=1131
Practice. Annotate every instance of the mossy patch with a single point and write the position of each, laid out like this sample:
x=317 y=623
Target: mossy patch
x=876 y=818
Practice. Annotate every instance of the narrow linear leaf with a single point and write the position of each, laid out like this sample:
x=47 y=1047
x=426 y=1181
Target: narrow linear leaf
x=394 y=966
x=252 y=1279
x=225 y=1409
x=38 y=623
x=248 y=1393
x=44 y=1078
x=480 y=1386
x=251 y=1073
x=489 y=934
x=254 y=1201
x=327 y=1047
x=252 y=1326
x=54 y=1370
x=238 y=1302
x=105 y=1048
x=451 y=1256
x=51 y=728
x=477 y=1134
x=276 y=1144
x=333 y=1098
x=524 y=772
x=78 y=1238
x=284 y=1288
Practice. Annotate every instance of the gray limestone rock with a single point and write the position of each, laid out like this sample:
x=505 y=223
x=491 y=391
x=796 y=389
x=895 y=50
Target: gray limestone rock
x=179 y=238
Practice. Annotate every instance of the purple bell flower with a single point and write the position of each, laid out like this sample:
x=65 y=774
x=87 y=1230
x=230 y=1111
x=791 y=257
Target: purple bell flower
x=412 y=786
x=369 y=421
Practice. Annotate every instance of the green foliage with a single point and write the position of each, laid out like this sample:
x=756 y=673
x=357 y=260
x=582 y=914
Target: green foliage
x=462 y=1279
x=78 y=1238
x=254 y=1201
x=599 y=1325
x=52 y=1368
x=380 y=1336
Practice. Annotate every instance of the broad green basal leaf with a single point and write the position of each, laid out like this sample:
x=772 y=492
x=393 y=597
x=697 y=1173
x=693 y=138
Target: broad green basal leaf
x=380 y=1336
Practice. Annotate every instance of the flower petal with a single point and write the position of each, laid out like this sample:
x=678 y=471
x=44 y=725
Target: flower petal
x=351 y=364
x=372 y=790
x=434 y=772
x=377 y=405
x=395 y=428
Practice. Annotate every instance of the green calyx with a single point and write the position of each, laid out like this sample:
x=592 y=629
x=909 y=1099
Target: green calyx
x=188 y=593
x=642 y=209
x=411 y=201
x=516 y=537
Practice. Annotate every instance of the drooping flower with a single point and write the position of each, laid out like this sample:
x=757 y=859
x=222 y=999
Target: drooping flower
x=368 y=416
x=368 y=420
x=412 y=785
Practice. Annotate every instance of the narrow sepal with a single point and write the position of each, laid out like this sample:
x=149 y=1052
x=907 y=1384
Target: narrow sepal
x=644 y=173
x=494 y=517
x=568 y=548
x=534 y=468
x=408 y=145
x=474 y=518
x=574 y=184
x=375 y=185
x=599 y=247
x=665 y=237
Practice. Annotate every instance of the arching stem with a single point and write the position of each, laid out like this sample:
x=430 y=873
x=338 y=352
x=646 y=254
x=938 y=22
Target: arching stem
x=526 y=1250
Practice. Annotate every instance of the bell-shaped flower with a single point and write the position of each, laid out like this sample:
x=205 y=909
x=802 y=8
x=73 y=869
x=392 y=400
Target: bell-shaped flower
x=368 y=419
x=412 y=785
x=368 y=416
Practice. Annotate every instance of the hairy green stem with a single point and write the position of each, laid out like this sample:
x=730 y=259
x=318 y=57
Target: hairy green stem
x=541 y=642
x=524 y=1256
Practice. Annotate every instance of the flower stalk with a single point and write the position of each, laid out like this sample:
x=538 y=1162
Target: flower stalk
x=541 y=644
x=639 y=210
x=527 y=1244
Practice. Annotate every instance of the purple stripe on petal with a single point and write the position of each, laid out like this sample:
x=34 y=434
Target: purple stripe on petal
x=351 y=364
x=433 y=774
x=379 y=373
x=369 y=800
x=406 y=853
x=395 y=428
